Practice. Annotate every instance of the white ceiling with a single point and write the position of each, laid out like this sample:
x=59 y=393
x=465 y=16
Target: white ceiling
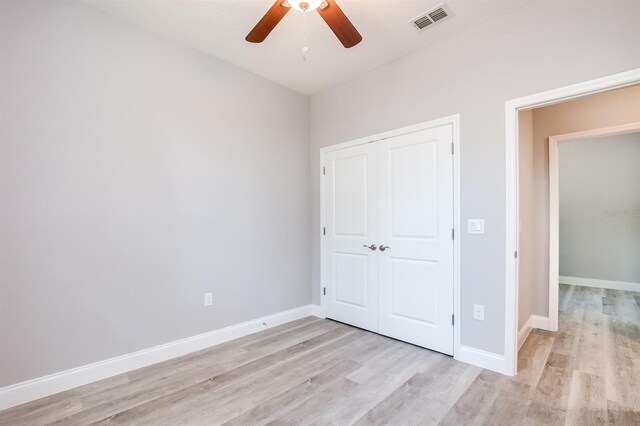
x=218 y=28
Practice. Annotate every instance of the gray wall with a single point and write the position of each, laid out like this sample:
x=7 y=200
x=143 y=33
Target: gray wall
x=474 y=73
x=600 y=208
x=135 y=175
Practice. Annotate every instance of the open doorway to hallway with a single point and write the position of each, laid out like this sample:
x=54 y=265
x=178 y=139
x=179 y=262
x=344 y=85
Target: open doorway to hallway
x=579 y=254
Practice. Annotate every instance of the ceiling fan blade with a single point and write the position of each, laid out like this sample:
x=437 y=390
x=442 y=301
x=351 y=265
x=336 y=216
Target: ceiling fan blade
x=267 y=23
x=340 y=24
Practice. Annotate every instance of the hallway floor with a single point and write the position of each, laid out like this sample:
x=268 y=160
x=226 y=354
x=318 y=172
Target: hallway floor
x=589 y=371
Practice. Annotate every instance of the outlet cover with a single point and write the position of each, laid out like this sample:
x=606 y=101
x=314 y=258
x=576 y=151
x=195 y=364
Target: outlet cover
x=478 y=312
x=208 y=299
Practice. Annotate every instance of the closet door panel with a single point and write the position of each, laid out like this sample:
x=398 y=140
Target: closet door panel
x=351 y=268
x=415 y=223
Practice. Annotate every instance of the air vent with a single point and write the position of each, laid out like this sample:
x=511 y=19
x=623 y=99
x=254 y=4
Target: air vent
x=422 y=22
x=432 y=16
x=438 y=14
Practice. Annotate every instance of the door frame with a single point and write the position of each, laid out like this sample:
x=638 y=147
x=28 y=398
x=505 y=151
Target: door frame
x=554 y=205
x=512 y=108
x=454 y=121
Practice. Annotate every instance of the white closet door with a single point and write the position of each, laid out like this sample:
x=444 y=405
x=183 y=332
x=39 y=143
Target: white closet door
x=416 y=222
x=351 y=269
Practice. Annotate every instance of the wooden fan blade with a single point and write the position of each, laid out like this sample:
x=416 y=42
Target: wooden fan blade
x=267 y=23
x=340 y=24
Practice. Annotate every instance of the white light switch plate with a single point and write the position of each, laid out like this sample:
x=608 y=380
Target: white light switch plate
x=475 y=226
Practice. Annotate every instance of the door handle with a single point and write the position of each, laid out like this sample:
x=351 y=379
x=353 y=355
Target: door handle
x=372 y=247
x=383 y=247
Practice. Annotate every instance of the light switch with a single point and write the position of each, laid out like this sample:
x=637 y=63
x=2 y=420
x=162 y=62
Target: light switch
x=476 y=226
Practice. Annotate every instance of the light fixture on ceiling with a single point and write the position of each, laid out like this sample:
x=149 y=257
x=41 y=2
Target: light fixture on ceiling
x=328 y=10
x=304 y=6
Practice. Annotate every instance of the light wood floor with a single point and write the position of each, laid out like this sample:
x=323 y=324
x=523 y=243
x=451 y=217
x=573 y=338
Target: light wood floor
x=316 y=371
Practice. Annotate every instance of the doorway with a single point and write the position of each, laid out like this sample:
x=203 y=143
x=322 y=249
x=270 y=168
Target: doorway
x=514 y=114
x=605 y=264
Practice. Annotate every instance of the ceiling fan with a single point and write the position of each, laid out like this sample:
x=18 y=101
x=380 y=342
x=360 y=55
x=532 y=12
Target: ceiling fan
x=328 y=10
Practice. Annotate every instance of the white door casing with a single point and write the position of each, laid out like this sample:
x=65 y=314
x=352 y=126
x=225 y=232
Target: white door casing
x=351 y=224
x=415 y=175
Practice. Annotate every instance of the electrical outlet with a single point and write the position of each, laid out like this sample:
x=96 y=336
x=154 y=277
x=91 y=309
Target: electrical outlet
x=208 y=299
x=478 y=312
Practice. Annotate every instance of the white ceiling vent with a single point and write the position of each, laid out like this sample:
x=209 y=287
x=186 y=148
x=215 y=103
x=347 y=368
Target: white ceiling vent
x=430 y=17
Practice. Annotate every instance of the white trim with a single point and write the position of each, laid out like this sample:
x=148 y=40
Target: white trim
x=598 y=133
x=554 y=234
x=451 y=119
x=524 y=333
x=534 y=321
x=590 y=282
x=554 y=204
x=316 y=311
x=540 y=322
x=511 y=114
x=478 y=357
x=512 y=242
x=457 y=247
x=454 y=121
x=31 y=390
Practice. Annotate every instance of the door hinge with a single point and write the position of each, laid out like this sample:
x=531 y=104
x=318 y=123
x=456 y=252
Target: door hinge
x=515 y=255
x=453 y=233
x=324 y=171
x=324 y=231
x=324 y=291
x=453 y=319
x=452 y=149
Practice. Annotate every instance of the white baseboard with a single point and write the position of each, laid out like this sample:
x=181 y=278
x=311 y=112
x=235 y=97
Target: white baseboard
x=534 y=321
x=524 y=333
x=541 y=322
x=316 y=311
x=30 y=390
x=478 y=357
x=590 y=282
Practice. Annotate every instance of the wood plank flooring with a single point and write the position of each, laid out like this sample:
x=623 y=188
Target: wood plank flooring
x=316 y=371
